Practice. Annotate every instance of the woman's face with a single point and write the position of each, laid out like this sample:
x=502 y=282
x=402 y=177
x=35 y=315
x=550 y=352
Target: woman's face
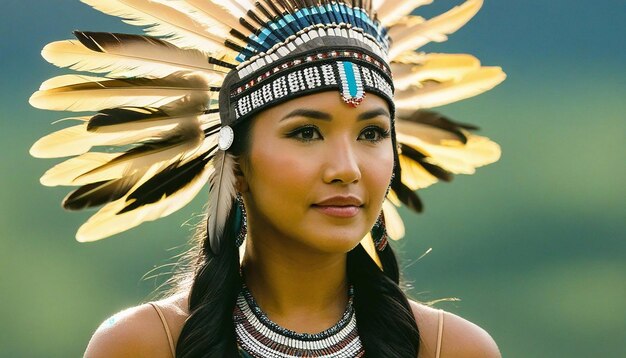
x=318 y=171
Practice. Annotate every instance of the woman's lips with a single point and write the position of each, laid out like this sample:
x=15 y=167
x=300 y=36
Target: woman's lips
x=338 y=211
x=340 y=206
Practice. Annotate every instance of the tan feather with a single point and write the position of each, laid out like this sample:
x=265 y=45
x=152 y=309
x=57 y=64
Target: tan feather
x=222 y=194
x=149 y=59
x=65 y=173
x=211 y=14
x=82 y=93
x=451 y=155
x=433 y=94
x=368 y=244
x=163 y=19
x=433 y=66
x=390 y=11
x=393 y=221
x=414 y=175
x=106 y=223
x=172 y=147
x=410 y=34
x=77 y=140
x=68 y=80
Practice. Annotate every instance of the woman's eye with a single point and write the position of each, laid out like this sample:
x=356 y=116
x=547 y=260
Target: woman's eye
x=306 y=134
x=374 y=134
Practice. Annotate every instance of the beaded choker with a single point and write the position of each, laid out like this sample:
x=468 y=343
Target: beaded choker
x=258 y=336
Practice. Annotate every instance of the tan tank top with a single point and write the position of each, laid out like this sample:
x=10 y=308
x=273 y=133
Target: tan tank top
x=170 y=340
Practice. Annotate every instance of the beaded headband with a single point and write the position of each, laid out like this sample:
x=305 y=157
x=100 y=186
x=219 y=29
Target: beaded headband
x=166 y=101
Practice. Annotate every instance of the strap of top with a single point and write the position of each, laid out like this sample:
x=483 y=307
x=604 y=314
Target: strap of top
x=170 y=340
x=439 y=334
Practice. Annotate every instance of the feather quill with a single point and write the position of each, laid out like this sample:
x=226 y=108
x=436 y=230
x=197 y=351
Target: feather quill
x=222 y=194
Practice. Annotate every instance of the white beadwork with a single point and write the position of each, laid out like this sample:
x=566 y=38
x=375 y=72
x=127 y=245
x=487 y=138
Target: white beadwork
x=329 y=75
x=263 y=338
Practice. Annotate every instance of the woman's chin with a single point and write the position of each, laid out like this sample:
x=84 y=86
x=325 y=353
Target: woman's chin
x=337 y=242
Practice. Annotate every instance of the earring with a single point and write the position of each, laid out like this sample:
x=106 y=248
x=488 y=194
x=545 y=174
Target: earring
x=241 y=221
x=379 y=233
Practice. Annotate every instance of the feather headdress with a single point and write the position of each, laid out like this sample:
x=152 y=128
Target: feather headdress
x=165 y=101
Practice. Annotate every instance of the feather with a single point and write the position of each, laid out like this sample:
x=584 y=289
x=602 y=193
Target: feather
x=390 y=11
x=82 y=93
x=393 y=221
x=93 y=167
x=122 y=56
x=77 y=139
x=405 y=195
x=368 y=244
x=416 y=156
x=433 y=66
x=450 y=154
x=118 y=120
x=433 y=94
x=222 y=194
x=172 y=146
x=167 y=182
x=109 y=221
x=65 y=173
x=414 y=175
x=212 y=14
x=412 y=34
x=100 y=193
x=438 y=121
x=163 y=19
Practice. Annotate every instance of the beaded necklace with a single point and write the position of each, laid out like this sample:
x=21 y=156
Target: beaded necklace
x=259 y=337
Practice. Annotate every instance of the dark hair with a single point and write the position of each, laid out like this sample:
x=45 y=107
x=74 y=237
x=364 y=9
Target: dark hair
x=385 y=321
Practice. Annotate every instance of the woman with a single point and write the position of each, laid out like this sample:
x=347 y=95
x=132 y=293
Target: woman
x=303 y=151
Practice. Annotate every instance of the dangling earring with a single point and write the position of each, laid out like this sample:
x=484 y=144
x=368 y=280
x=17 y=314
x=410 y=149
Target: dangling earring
x=379 y=233
x=241 y=221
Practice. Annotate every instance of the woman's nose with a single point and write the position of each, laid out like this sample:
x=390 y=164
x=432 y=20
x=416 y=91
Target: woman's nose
x=342 y=164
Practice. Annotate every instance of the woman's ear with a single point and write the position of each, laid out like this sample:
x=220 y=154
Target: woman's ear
x=241 y=184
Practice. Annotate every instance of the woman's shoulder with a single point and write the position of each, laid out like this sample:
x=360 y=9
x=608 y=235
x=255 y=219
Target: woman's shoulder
x=460 y=338
x=139 y=331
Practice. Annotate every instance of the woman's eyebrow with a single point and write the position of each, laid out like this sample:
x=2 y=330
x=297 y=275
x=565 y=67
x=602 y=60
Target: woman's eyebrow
x=373 y=114
x=310 y=113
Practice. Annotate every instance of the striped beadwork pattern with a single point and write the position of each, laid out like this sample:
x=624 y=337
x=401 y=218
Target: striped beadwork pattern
x=314 y=78
x=259 y=337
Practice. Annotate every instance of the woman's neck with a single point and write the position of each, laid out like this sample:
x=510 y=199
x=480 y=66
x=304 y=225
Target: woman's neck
x=297 y=289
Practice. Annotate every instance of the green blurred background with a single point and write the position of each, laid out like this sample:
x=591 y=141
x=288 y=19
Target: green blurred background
x=534 y=245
